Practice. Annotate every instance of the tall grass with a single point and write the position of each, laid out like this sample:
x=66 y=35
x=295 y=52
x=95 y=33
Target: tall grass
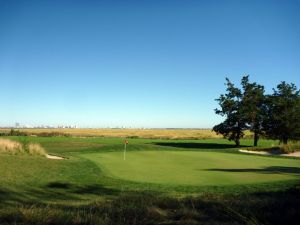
x=14 y=147
x=36 y=149
x=291 y=147
x=9 y=146
x=124 y=133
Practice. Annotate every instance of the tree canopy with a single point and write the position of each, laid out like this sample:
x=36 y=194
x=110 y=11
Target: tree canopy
x=230 y=103
x=252 y=106
x=283 y=113
x=276 y=116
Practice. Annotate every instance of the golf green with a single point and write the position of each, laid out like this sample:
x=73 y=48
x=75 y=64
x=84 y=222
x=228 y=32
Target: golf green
x=195 y=168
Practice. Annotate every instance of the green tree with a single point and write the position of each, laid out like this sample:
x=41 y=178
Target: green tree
x=253 y=107
x=230 y=107
x=283 y=113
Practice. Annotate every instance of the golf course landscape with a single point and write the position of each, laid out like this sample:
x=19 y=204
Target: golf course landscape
x=155 y=180
x=146 y=112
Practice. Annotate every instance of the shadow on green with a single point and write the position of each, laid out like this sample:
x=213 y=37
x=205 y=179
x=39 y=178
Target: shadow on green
x=55 y=191
x=197 y=145
x=268 y=170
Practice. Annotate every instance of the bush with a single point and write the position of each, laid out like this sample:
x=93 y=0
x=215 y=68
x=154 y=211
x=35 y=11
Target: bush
x=13 y=132
x=52 y=134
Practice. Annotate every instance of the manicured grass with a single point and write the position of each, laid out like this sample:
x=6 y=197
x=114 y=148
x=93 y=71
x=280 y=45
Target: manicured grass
x=99 y=161
x=195 y=168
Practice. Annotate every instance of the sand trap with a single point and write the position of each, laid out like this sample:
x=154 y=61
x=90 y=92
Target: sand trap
x=53 y=157
x=294 y=154
x=255 y=152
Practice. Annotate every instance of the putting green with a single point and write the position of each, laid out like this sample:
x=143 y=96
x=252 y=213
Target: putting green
x=195 y=168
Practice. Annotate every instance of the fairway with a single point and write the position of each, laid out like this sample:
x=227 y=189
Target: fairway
x=195 y=168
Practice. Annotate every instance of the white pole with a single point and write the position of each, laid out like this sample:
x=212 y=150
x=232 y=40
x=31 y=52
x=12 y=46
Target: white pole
x=125 y=151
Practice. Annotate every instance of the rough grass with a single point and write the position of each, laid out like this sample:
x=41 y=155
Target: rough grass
x=14 y=147
x=147 y=208
x=290 y=147
x=281 y=148
x=9 y=146
x=36 y=149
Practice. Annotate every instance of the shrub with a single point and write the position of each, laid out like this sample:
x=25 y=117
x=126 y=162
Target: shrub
x=13 y=132
x=52 y=134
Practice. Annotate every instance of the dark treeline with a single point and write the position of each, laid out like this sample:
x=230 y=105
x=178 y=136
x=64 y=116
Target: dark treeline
x=275 y=116
x=14 y=132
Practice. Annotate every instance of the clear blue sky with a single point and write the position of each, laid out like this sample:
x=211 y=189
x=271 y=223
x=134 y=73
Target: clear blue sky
x=143 y=63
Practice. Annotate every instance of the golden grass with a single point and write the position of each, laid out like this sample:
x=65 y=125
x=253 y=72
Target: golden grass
x=36 y=149
x=9 y=146
x=13 y=147
x=138 y=133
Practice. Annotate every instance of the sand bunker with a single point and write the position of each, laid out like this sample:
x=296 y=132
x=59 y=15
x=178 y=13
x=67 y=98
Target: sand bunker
x=54 y=157
x=294 y=154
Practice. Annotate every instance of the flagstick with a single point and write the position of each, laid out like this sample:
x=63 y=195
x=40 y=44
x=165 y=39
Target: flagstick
x=125 y=151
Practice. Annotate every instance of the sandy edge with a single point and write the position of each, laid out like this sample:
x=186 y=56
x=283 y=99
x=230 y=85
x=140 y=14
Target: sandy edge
x=294 y=154
x=53 y=157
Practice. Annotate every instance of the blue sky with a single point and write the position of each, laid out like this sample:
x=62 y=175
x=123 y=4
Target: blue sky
x=143 y=63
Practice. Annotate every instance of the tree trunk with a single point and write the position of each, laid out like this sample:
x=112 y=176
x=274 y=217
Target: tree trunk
x=285 y=141
x=256 y=137
x=237 y=142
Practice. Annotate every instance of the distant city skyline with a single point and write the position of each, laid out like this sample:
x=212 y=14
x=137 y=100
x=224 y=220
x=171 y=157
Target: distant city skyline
x=153 y=64
x=18 y=125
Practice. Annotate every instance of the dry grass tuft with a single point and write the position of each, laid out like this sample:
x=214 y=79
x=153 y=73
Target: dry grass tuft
x=290 y=147
x=9 y=146
x=13 y=147
x=36 y=149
